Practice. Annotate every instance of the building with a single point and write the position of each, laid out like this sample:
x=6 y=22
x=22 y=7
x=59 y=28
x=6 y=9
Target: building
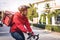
x=54 y=5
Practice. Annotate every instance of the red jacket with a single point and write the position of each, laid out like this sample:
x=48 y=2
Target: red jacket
x=19 y=22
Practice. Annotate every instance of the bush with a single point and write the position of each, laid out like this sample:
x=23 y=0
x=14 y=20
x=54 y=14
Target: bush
x=39 y=26
x=48 y=27
x=56 y=28
x=53 y=28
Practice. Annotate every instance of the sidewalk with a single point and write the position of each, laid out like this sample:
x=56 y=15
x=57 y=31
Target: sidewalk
x=57 y=34
x=52 y=32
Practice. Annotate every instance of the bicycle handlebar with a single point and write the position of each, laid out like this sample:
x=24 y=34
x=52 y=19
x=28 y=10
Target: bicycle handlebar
x=33 y=36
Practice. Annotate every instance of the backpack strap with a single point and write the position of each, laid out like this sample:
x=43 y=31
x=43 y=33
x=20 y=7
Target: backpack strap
x=11 y=19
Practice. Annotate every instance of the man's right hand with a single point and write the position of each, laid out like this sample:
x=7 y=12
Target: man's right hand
x=31 y=33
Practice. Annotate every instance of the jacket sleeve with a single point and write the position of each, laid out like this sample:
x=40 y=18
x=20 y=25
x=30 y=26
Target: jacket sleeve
x=27 y=24
x=19 y=24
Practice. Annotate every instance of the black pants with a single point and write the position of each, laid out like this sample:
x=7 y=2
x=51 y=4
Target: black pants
x=18 y=35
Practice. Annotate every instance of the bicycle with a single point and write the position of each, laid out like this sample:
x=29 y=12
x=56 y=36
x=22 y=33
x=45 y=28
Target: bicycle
x=35 y=37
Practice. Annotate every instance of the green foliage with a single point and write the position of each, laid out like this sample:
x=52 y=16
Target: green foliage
x=55 y=28
x=47 y=5
x=32 y=12
x=44 y=18
x=48 y=27
x=49 y=18
x=39 y=25
x=49 y=15
x=55 y=13
x=40 y=19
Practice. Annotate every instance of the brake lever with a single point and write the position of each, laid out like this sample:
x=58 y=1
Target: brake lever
x=34 y=36
x=29 y=36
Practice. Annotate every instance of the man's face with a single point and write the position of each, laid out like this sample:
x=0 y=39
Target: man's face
x=25 y=12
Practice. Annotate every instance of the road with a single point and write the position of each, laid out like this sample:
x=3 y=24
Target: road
x=43 y=35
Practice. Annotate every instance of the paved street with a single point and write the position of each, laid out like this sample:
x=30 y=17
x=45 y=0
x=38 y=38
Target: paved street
x=43 y=35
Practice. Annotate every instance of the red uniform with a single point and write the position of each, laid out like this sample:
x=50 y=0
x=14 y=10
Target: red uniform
x=19 y=22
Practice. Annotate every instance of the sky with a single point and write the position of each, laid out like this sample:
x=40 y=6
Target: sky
x=13 y=4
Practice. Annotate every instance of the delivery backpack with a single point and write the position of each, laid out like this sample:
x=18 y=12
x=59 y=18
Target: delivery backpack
x=7 y=19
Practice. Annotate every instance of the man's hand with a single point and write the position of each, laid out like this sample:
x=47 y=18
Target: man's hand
x=36 y=37
x=31 y=33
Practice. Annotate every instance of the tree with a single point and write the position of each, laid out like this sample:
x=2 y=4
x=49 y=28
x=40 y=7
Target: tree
x=44 y=18
x=47 y=7
x=32 y=12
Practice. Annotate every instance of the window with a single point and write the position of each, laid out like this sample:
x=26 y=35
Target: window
x=58 y=19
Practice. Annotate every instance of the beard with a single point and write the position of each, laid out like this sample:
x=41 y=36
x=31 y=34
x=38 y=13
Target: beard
x=24 y=14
